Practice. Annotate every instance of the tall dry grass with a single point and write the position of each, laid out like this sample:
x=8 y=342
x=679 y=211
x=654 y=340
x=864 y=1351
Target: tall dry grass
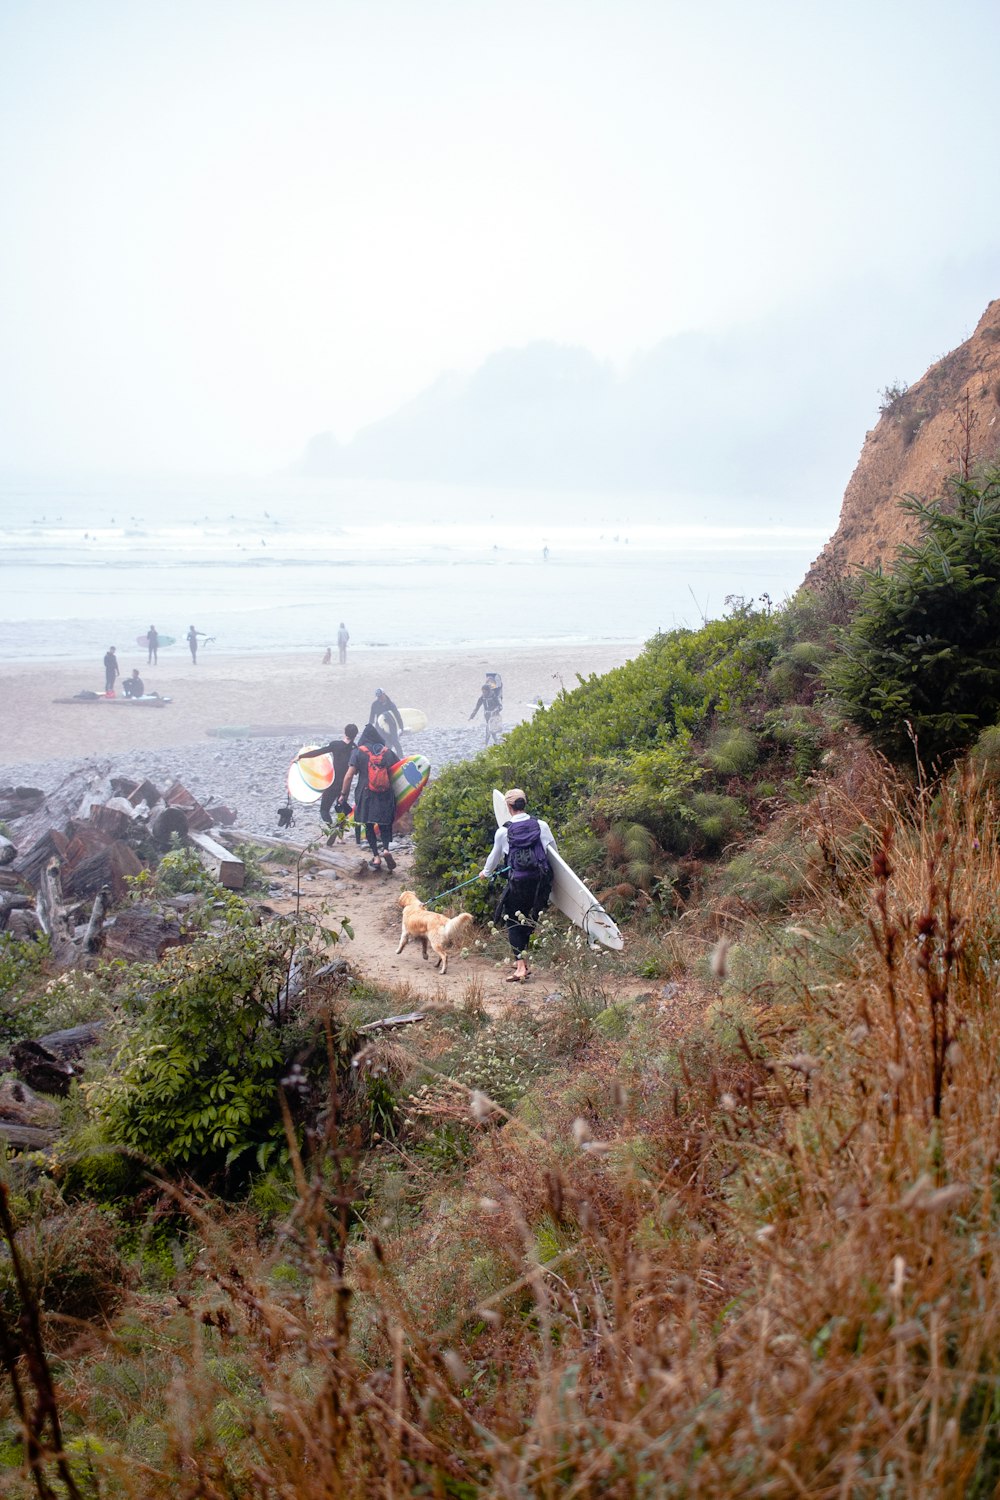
x=774 y=1276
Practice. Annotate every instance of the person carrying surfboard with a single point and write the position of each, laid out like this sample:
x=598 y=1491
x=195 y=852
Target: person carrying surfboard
x=339 y=752
x=490 y=700
x=386 y=717
x=521 y=844
x=375 y=806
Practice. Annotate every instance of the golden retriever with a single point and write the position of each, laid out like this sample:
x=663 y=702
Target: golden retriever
x=443 y=933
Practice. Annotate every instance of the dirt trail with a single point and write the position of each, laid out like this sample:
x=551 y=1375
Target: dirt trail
x=370 y=900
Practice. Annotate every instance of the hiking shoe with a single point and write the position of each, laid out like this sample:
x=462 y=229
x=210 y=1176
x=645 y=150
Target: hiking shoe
x=390 y=863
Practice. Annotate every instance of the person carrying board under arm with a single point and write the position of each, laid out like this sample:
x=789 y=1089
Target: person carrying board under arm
x=521 y=844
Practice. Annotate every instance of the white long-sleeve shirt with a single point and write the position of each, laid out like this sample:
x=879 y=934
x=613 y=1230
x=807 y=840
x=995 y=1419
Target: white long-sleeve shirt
x=500 y=850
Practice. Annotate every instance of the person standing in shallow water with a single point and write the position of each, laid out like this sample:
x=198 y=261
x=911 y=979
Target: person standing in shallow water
x=111 y=669
x=192 y=640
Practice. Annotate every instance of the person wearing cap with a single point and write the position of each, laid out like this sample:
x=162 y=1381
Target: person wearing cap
x=391 y=726
x=523 y=899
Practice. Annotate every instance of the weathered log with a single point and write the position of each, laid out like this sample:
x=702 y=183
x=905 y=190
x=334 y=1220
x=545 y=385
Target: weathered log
x=391 y=1023
x=73 y=1041
x=19 y=801
x=112 y=819
x=141 y=934
x=322 y=855
x=50 y=906
x=20 y=1105
x=24 y=925
x=26 y=1137
x=179 y=796
x=168 y=823
x=8 y=851
x=221 y=815
x=92 y=936
x=11 y=901
x=144 y=795
x=31 y=863
x=42 y=1069
x=228 y=869
x=112 y=866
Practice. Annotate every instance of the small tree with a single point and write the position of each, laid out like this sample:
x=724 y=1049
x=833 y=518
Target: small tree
x=921 y=658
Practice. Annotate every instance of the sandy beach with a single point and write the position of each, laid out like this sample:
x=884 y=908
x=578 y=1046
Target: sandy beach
x=282 y=693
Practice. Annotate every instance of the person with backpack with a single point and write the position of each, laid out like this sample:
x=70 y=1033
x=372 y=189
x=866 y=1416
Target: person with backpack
x=375 y=805
x=520 y=845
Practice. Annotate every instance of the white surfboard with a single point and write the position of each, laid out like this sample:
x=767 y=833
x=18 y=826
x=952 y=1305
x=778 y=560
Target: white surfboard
x=569 y=894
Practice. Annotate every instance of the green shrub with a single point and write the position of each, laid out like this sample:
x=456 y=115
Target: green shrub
x=195 y=1085
x=921 y=659
x=734 y=753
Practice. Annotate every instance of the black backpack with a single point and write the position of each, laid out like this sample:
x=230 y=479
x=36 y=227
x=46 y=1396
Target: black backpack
x=527 y=859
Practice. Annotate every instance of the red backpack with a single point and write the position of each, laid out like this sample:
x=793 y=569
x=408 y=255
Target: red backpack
x=378 y=770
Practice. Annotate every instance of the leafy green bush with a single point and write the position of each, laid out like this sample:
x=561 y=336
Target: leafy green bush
x=616 y=745
x=922 y=655
x=734 y=752
x=195 y=1083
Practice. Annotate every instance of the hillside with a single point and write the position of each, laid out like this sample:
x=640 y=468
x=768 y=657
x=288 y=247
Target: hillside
x=949 y=417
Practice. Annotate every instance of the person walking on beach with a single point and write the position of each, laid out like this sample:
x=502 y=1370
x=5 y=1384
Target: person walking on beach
x=339 y=752
x=152 y=646
x=521 y=844
x=490 y=700
x=375 y=806
x=342 y=639
x=192 y=640
x=391 y=726
x=111 y=669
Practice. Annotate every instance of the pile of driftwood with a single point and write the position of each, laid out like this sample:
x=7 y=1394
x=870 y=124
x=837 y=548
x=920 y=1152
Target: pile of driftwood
x=66 y=860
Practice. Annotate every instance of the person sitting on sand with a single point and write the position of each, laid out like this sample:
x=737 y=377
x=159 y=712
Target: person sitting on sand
x=327 y=657
x=134 y=685
x=339 y=752
x=111 y=669
x=521 y=845
x=376 y=802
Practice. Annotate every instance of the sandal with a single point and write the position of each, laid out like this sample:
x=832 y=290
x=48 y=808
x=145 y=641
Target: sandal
x=374 y=864
x=390 y=863
x=518 y=978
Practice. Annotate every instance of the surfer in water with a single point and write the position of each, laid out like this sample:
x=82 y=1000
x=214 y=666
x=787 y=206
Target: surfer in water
x=520 y=845
x=339 y=752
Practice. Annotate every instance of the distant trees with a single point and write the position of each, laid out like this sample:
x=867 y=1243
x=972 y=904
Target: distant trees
x=920 y=661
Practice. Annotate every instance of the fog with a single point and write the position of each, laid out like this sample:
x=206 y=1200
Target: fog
x=632 y=244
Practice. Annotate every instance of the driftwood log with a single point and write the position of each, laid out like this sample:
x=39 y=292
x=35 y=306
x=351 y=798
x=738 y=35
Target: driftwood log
x=41 y=1069
x=110 y=868
x=141 y=934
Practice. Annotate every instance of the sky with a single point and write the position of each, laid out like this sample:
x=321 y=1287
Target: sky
x=230 y=224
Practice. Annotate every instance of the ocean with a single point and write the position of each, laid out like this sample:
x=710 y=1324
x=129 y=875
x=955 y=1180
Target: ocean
x=274 y=565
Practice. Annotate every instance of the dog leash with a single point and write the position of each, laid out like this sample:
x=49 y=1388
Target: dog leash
x=452 y=889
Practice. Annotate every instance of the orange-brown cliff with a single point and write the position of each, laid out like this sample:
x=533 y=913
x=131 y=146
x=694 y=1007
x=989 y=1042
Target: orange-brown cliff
x=949 y=419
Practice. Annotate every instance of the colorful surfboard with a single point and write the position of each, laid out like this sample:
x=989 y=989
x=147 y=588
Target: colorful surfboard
x=308 y=779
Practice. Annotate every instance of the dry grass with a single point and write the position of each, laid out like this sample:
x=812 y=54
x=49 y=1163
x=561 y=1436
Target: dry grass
x=770 y=1270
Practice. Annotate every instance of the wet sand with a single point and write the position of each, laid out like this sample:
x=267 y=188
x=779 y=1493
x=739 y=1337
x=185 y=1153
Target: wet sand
x=277 y=693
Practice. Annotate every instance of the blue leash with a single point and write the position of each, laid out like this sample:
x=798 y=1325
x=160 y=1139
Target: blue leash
x=451 y=891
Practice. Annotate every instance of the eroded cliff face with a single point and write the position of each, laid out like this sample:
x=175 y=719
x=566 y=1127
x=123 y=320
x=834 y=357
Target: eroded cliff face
x=950 y=418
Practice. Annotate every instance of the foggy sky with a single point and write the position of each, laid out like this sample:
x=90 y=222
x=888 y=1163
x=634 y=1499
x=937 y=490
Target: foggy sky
x=231 y=224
